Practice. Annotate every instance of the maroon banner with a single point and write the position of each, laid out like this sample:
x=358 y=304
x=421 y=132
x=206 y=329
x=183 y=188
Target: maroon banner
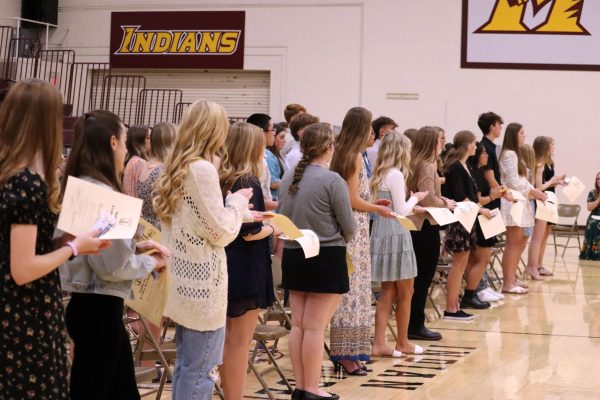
x=172 y=39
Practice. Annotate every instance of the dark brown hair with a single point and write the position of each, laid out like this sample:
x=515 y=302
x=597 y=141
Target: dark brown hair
x=136 y=142
x=92 y=154
x=351 y=141
x=424 y=149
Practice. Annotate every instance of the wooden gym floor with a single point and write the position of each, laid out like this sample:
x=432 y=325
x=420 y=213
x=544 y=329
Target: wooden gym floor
x=544 y=345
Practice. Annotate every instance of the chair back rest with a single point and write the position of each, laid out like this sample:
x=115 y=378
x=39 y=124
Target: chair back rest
x=569 y=210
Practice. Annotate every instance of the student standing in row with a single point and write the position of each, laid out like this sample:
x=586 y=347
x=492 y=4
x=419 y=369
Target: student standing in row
x=317 y=199
x=196 y=226
x=250 y=287
x=103 y=362
x=393 y=260
x=33 y=340
x=426 y=241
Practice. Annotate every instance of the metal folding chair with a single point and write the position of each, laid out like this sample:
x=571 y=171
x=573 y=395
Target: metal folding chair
x=569 y=230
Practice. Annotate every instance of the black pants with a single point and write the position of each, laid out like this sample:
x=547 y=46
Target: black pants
x=426 y=244
x=103 y=363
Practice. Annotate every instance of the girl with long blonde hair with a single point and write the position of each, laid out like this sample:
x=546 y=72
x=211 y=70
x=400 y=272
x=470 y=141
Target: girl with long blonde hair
x=351 y=324
x=393 y=261
x=32 y=313
x=544 y=179
x=250 y=286
x=196 y=226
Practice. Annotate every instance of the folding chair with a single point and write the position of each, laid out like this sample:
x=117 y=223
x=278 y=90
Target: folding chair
x=571 y=212
x=262 y=335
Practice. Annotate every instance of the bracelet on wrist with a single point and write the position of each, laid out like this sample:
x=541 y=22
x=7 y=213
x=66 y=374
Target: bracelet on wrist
x=71 y=244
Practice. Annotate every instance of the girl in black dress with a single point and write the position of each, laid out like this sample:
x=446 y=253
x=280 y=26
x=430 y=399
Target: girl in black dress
x=33 y=341
x=460 y=186
x=545 y=180
x=250 y=286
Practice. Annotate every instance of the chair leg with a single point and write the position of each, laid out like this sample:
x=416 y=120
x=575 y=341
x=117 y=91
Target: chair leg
x=276 y=366
x=261 y=380
x=555 y=249
x=566 y=245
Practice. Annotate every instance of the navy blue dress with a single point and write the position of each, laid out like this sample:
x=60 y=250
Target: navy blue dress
x=249 y=262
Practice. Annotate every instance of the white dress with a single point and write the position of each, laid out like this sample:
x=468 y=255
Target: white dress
x=509 y=176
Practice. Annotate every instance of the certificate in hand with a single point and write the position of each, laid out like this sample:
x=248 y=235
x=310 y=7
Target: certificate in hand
x=150 y=294
x=85 y=203
x=517 y=195
x=307 y=239
x=466 y=213
x=573 y=189
x=442 y=216
x=405 y=222
x=493 y=226
x=548 y=210
x=284 y=224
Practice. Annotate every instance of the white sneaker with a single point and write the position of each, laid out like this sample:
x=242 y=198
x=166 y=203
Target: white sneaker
x=499 y=295
x=487 y=295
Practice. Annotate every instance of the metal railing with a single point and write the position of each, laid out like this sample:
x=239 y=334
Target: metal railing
x=157 y=105
x=86 y=86
x=120 y=95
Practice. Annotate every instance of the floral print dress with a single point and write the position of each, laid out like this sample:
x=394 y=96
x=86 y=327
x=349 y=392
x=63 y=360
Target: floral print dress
x=591 y=242
x=350 y=334
x=33 y=353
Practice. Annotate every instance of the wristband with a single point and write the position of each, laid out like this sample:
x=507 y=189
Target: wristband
x=73 y=249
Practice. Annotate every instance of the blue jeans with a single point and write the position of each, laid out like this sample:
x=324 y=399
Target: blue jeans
x=198 y=355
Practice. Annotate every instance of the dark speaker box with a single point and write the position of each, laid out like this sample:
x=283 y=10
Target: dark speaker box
x=39 y=10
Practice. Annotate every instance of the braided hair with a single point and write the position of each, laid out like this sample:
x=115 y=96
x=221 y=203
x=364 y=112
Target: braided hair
x=314 y=143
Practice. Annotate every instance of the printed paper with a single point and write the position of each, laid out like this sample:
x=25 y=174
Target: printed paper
x=466 y=213
x=493 y=226
x=85 y=203
x=573 y=189
x=548 y=210
x=442 y=216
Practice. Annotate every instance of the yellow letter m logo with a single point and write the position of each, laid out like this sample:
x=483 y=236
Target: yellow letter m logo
x=508 y=16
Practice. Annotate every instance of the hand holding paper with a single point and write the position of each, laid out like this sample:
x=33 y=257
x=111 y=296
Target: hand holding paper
x=492 y=227
x=405 y=222
x=307 y=239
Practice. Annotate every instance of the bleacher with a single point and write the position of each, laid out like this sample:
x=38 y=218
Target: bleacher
x=86 y=85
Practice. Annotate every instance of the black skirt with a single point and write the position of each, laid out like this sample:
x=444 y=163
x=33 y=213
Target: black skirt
x=325 y=273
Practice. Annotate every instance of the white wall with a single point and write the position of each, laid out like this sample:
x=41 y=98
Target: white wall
x=334 y=54
x=9 y=8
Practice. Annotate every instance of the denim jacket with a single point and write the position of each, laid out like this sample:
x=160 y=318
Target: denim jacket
x=111 y=272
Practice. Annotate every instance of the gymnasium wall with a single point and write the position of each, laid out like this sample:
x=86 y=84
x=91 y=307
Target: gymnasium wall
x=334 y=54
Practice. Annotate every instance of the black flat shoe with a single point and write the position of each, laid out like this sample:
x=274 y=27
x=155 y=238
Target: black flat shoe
x=298 y=394
x=312 y=396
x=423 y=334
x=338 y=367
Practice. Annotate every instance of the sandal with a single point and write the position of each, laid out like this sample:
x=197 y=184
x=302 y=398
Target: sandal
x=522 y=284
x=544 y=272
x=516 y=290
x=395 y=354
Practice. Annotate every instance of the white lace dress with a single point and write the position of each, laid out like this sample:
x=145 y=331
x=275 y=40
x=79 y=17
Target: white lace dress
x=509 y=176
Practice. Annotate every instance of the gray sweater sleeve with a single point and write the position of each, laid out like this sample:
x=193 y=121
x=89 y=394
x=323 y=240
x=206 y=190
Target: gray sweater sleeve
x=340 y=203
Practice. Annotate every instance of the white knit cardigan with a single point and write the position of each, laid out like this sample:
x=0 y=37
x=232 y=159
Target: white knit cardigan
x=200 y=229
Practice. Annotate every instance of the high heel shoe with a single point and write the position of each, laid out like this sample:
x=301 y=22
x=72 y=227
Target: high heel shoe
x=298 y=394
x=534 y=275
x=338 y=366
x=312 y=396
